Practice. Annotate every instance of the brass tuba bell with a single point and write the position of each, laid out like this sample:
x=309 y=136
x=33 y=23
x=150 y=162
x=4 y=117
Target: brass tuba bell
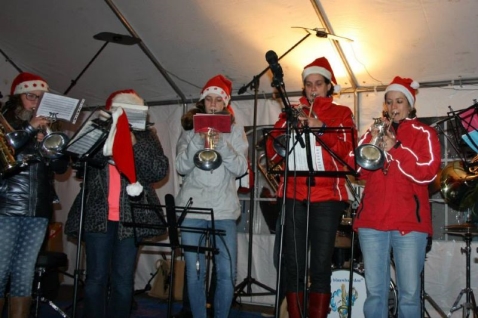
x=459 y=186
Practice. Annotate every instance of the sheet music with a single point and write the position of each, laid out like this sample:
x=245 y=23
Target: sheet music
x=59 y=107
x=298 y=157
x=137 y=114
x=85 y=139
x=471 y=139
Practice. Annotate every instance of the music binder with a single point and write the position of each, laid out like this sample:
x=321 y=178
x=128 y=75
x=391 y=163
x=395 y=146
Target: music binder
x=60 y=107
x=90 y=136
x=220 y=122
x=137 y=114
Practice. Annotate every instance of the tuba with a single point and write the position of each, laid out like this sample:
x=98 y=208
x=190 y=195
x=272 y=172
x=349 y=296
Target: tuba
x=371 y=156
x=458 y=184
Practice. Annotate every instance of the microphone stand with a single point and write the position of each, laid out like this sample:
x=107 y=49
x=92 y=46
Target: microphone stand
x=248 y=280
x=291 y=121
x=355 y=205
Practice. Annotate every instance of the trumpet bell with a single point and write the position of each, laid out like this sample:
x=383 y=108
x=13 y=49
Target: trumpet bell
x=370 y=157
x=53 y=144
x=207 y=159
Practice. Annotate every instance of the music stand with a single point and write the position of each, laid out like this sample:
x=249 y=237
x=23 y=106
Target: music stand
x=173 y=224
x=82 y=146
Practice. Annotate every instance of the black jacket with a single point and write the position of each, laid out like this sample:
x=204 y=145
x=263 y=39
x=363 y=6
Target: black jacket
x=151 y=166
x=29 y=191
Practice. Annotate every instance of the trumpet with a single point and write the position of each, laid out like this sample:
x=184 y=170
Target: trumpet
x=54 y=142
x=208 y=159
x=371 y=156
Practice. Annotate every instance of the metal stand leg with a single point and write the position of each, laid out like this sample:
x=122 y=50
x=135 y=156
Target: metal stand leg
x=39 y=298
x=470 y=305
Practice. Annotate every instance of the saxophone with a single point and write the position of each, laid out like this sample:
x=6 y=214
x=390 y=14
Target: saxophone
x=7 y=153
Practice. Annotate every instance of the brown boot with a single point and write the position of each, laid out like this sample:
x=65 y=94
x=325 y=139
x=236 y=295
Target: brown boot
x=2 y=304
x=19 y=307
x=319 y=305
x=295 y=302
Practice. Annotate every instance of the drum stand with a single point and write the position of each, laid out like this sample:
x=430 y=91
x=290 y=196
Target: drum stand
x=470 y=304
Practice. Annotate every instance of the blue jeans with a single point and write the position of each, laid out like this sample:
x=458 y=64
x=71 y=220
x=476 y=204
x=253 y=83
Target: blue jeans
x=224 y=264
x=409 y=257
x=21 y=239
x=110 y=262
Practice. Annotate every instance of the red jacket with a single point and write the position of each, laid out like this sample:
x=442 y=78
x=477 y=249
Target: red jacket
x=341 y=143
x=399 y=200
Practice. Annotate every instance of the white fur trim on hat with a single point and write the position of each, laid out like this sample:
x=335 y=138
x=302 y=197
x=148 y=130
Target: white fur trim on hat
x=317 y=70
x=215 y=90
x=405 y=91
x=131 y=99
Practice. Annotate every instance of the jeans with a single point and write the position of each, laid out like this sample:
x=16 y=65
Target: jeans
x=324 y=219
x=225 y=266
x=110 y=262
x=21 y=239
x=409 y=257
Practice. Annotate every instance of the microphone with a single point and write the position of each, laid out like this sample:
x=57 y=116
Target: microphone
x=273 y=60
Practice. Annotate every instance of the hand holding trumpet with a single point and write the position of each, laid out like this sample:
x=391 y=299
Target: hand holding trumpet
x=40 y=123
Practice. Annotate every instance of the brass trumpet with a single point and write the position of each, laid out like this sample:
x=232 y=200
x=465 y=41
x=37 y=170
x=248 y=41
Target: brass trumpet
x=371 y=156
x=54 y=142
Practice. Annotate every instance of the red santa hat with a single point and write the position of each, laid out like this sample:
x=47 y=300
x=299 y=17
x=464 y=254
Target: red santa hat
x=118 y=145
x=27 y=82
x=407 y=86
x=321 y=66
x=218 y=85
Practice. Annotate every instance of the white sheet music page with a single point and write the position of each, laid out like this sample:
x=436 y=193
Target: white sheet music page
x=298 y=161
x=59 y=107
x=85 y=139
x=137 y=114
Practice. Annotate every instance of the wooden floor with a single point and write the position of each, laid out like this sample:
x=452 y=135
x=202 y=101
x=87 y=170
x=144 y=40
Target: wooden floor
x=65 y=296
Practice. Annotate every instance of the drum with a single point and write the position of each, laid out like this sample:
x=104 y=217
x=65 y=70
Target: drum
x=340 y=295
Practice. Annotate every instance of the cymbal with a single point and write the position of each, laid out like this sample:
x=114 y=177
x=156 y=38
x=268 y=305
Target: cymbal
x=462 y=229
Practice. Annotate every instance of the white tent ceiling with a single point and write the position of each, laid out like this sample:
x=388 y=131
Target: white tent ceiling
x=185 y=42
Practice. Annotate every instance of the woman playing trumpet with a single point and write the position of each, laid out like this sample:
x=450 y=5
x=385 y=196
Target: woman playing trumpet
x=26 y=196
x=211 y=189
x=327 y=200
x=394 y=215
